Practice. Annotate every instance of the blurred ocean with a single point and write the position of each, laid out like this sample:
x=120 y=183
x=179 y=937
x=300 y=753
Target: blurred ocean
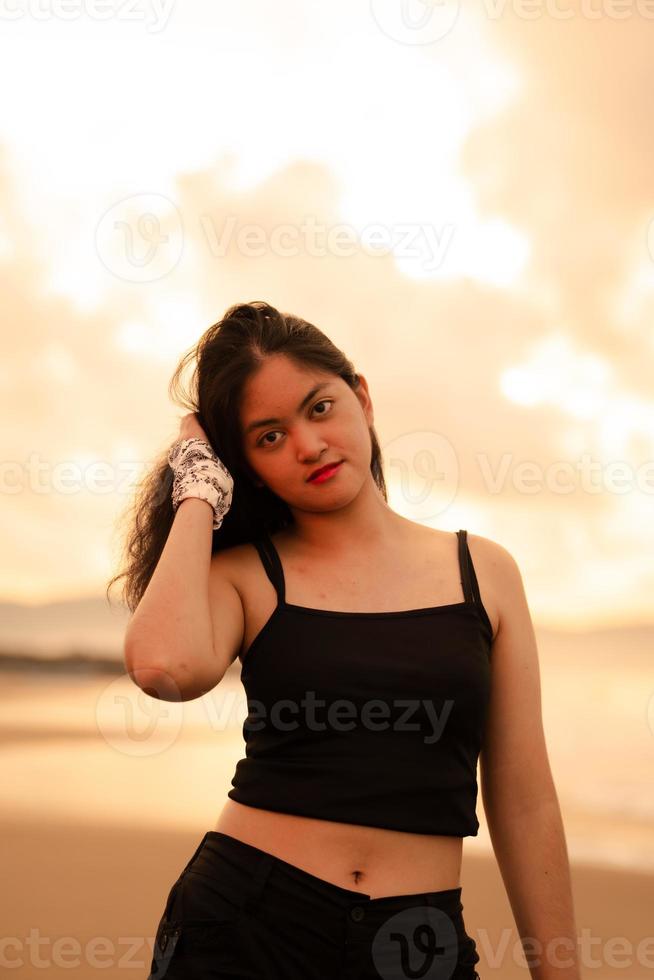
x=77 y=736
x=78 y=634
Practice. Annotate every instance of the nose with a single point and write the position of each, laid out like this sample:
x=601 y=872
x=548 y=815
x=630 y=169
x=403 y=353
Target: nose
x=310 y=447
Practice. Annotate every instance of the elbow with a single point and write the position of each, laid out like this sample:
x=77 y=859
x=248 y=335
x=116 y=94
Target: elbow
x=169 y=678
x=157 y=682
x=149 y=673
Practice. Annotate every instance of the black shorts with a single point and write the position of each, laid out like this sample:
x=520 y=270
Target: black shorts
x=239 y=912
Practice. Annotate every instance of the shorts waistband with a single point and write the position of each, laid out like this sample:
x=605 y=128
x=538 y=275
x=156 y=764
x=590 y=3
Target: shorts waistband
x=259 y=864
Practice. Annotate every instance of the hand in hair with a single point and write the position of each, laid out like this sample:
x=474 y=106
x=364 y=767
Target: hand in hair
x=190 y=428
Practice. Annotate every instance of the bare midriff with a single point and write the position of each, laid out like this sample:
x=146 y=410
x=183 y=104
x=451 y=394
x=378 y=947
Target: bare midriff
x=373 y=860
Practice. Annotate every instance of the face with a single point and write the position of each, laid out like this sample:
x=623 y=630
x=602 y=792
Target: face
x=303 y=429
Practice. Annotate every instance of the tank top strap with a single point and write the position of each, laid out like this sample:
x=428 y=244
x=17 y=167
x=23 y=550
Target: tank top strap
x=272 y=564
x=469 y=580
x=465 y=567
x=468 y=575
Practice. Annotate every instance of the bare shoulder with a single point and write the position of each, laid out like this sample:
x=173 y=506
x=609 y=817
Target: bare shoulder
x=489 y=552
x=501 y=574
x=495 y=558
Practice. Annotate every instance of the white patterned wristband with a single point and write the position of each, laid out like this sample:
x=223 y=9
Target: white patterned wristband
x=200 y=473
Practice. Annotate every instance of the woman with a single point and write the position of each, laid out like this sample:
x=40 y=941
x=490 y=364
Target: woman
x=381 y=658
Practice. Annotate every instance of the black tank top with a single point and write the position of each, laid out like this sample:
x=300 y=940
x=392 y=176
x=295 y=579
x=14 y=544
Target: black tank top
x=371 y=718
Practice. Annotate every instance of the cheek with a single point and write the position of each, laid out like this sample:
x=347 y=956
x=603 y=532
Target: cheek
x=360 y=437
x=272 y=467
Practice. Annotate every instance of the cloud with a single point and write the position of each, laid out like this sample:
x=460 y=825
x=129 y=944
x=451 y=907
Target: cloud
x=564 y=161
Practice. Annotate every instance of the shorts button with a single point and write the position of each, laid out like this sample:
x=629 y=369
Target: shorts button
x=357 y=913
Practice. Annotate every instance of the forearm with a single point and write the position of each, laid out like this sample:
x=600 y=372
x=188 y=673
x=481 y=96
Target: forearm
x=532 y=855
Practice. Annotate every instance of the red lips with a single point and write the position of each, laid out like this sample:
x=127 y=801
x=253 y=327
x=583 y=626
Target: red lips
x=323 y=469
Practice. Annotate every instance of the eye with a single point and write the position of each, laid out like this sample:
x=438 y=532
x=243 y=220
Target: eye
x=323 y=401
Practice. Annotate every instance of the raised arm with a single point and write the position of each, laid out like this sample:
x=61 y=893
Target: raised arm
x=188 y=626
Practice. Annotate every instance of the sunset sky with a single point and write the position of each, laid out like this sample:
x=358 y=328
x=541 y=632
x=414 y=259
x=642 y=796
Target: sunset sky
x=460 y=196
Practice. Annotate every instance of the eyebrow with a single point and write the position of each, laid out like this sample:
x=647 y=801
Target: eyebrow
x=273 y=421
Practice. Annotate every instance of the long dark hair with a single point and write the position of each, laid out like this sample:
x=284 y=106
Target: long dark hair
x=225 y=357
